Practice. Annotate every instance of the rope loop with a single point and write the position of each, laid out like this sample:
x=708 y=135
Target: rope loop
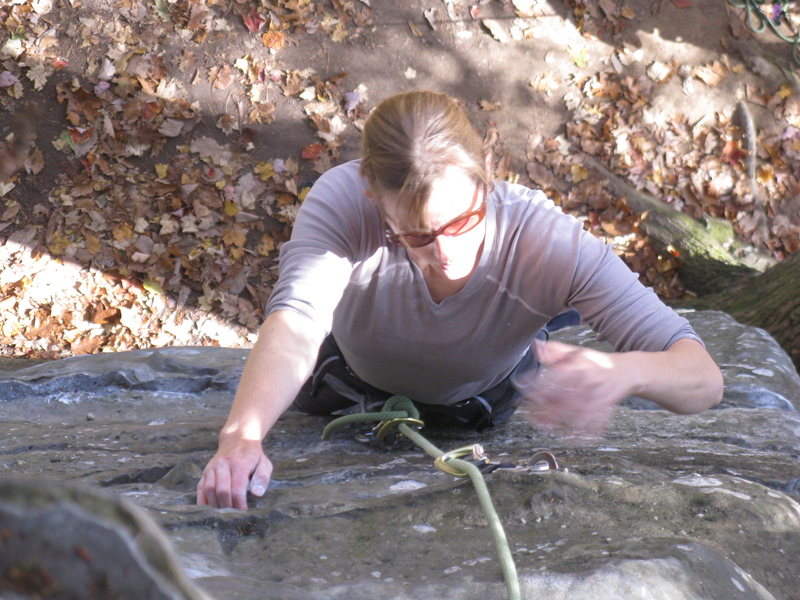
x=402 y=403
x=396 y=410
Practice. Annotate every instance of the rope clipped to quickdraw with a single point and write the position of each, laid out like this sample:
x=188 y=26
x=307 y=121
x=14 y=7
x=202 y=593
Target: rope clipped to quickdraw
x=450 y=462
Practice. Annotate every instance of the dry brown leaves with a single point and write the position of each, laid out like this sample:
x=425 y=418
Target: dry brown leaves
x=698 y=168
x=166 y=234
x=137 y=247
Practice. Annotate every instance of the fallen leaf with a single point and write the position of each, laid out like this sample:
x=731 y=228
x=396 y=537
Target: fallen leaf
x=103 y=315
x=86 y=345
x=153 y=286
x=309 y=93
x=12 y=208
x=579 y=56
x=525 y=8
x=266 y=245
x=339 y=33
x=38 y=74
x=274 y=40
x=7 y=79
x=733 y=153
x=659 y=72
x=496 y=28
x=223 y=77
x=431 y=16
x=234 y=236
x=92 y=243
x=58 y=243
x=578 y=173
x=263 y=113
x=228 y=124
x=254 y=21
x=764 y=175
x=545 y=83
x=264 y=170
x=171 y=127
x=739 y=28
x=710 y=74
x=231 y=209
x=609 y=7
x=488 y=105
x=122 y=232
x=352 y=100
x=312 y=151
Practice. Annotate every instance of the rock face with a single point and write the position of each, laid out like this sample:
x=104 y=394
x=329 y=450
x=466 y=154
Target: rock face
x=665 y=507
x=73 y=542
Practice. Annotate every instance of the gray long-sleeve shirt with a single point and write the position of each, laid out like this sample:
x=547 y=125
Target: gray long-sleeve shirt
x=536 y=262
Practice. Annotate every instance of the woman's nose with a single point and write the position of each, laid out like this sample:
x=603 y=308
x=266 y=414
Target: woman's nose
x=442 y=247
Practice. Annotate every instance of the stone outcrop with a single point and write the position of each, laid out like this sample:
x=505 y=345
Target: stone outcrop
x=100 y=455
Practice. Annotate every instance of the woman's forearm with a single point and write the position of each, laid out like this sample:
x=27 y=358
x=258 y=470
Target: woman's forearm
x=281 y=360
x=683 y=379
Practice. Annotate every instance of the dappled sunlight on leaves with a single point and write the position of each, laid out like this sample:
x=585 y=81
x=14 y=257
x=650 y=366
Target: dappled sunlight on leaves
x=165 y=226
x=697 y=168
x=155 y=233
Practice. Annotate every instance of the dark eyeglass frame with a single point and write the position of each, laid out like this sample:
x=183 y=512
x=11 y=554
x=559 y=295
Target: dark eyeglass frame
x=418 y=239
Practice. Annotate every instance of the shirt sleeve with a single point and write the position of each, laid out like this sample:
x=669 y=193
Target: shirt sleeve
x=316 y=263
x=612 y=300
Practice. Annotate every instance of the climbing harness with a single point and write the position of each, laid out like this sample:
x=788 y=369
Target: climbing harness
x=399 y=412
x=758 y=21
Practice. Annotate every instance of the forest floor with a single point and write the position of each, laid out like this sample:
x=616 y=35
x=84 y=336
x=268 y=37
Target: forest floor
x=154 y=153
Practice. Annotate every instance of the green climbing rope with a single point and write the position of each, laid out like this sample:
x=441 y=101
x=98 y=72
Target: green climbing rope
x=458 y=467
x=758 y=21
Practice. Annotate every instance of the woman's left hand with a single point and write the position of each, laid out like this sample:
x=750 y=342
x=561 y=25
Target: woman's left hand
x=574 y=390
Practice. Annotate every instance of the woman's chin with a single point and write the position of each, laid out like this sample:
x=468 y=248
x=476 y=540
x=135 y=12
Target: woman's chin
x=454 y=272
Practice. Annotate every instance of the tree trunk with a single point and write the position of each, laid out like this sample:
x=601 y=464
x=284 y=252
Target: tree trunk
x=707 y=266
x=711 y=259
x=770 y=301
x=753 y=288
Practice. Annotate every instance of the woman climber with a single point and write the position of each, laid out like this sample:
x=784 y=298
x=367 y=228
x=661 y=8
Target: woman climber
x=411 y=272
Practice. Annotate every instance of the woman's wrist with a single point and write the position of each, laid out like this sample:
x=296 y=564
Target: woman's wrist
x=630 y=368
x=236 y=433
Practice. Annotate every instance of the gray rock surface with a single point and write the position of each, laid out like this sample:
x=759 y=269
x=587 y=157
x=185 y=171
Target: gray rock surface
x=665 y=507
x=73 y=542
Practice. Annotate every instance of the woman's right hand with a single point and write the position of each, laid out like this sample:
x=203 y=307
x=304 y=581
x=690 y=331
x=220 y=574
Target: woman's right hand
x=281 y=360
x=238 y=466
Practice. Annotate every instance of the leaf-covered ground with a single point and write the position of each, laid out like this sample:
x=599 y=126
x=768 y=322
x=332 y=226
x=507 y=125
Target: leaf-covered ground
x=154 y=153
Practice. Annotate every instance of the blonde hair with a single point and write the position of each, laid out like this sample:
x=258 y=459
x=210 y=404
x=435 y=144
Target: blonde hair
x=408 y=142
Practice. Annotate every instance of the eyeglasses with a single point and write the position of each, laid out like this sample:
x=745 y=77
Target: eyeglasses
x=458 y=226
